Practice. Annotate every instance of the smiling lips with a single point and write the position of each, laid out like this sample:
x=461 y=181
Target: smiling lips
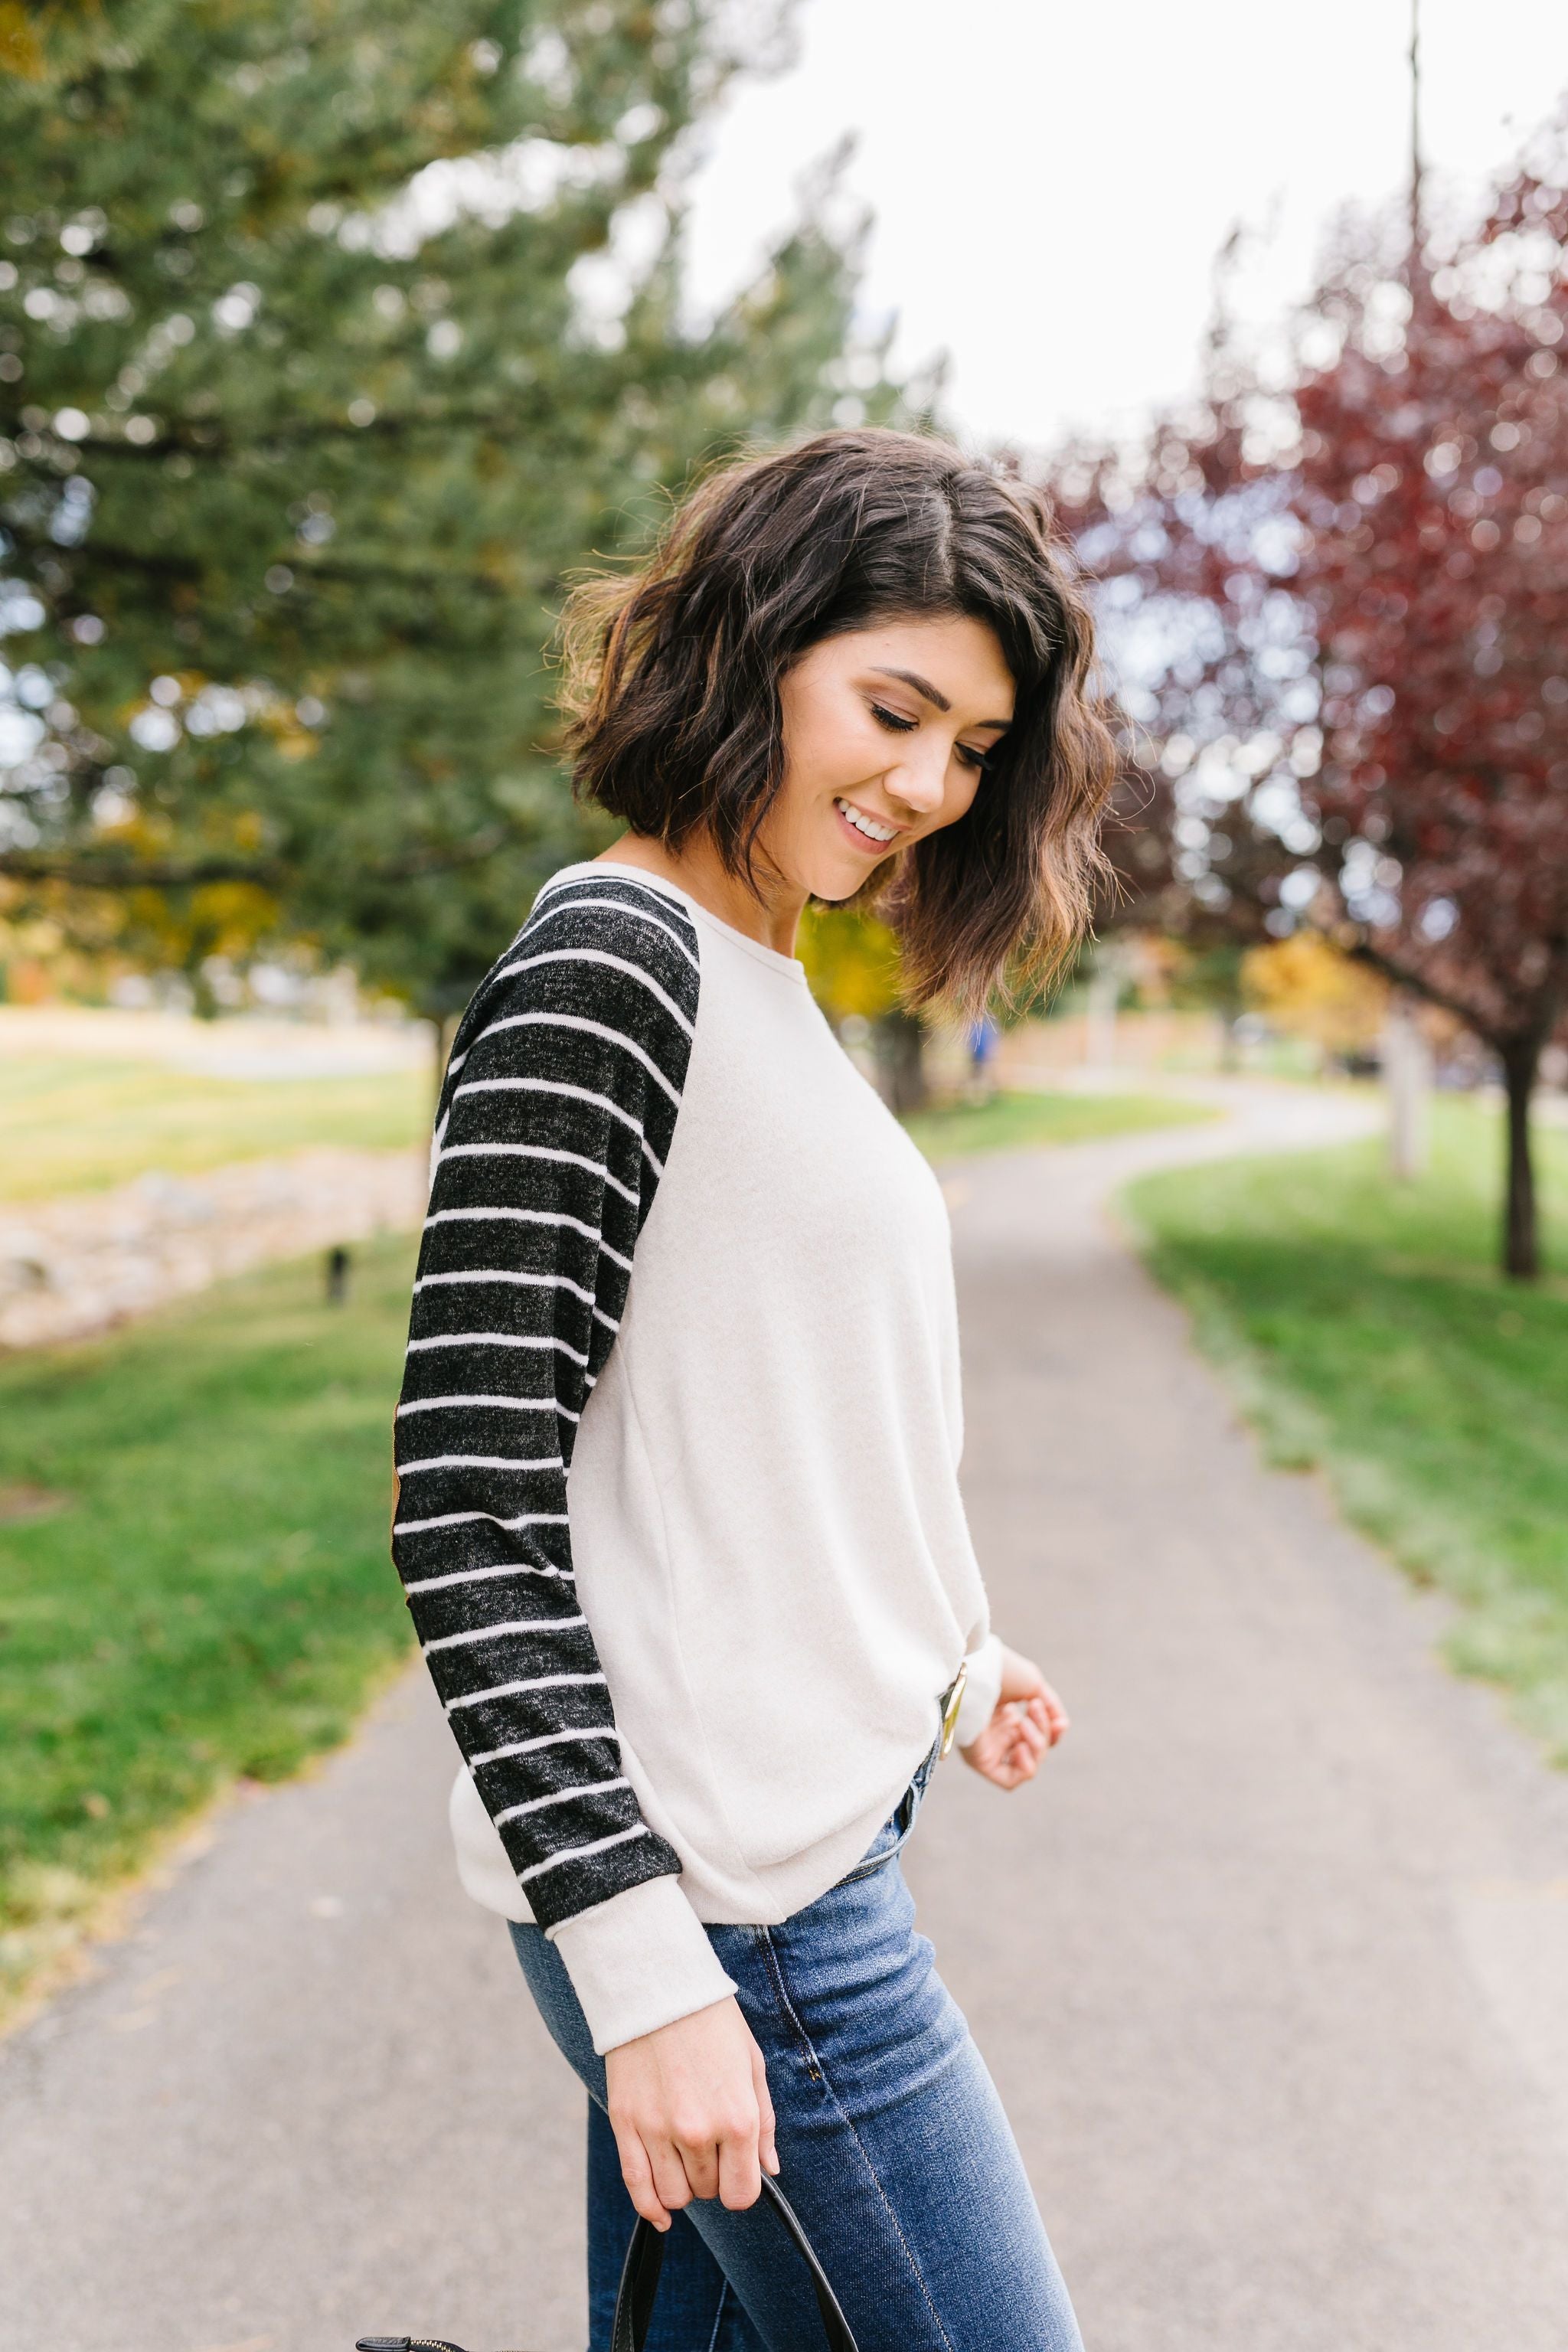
x=874 y=835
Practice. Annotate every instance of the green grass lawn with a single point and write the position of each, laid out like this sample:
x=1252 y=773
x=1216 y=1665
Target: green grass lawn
x=202 y=1587
x=1011 y=1120
x=1368 y=1334
x=73 y=1125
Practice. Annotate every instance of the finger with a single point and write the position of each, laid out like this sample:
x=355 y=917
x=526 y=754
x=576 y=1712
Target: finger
x=740 y=2173
x=767 y=2141
x=638 y=2174
x=672 y=2175
x=701 y=2167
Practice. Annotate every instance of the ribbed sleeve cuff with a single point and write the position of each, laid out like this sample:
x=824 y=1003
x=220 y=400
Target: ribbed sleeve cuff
x=639 y=1961
x=982 y=1689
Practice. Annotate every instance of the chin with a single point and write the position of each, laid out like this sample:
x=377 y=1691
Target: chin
x=833 y=891
x=837 y=876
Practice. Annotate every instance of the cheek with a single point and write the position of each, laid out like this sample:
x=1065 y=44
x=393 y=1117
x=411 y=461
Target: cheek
x=829 y=750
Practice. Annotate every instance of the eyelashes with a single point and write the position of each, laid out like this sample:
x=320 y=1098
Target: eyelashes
x=980 y=760
x=891 y=722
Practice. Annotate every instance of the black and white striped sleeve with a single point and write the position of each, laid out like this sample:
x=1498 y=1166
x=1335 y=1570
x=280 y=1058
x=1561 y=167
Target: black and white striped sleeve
x=555 y=1118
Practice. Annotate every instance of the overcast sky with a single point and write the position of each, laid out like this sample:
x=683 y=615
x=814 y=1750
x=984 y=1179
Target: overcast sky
x=1050 y=184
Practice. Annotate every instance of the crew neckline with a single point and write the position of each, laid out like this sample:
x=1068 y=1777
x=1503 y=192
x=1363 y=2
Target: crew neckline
x=789 y=967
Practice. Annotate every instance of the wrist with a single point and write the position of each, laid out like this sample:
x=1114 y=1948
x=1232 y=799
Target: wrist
x=639 y=1961
x=982 y=1690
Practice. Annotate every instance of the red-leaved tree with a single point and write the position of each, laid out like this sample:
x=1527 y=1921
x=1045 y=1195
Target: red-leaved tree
x=1343 y=611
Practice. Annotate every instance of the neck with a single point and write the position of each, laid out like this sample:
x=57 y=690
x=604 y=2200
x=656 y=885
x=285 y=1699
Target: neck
x=772 y=917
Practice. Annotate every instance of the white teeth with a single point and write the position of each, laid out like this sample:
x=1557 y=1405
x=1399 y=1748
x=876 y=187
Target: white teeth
x=872 y=831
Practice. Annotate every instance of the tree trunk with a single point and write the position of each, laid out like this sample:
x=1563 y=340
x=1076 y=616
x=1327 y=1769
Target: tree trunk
x=1103 y=996
x=443 y=1029
x=1407 y=1077
x=1520 y=1246
x=899 y=1045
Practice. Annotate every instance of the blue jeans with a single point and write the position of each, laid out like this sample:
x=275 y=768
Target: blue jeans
x=893 y=2147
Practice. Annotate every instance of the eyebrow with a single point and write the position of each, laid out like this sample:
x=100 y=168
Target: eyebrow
x=934 y=694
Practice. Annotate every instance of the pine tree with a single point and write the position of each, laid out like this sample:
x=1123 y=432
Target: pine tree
x=333 y=337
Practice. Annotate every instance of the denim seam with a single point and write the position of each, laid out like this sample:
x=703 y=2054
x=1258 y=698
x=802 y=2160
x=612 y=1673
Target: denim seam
x=820 y=2075
x=786 y=2006
x=719 y=2315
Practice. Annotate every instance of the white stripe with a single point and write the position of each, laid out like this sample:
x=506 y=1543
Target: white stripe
x=614 y=907
x=476 y=1575
x=552 y=1087
x=538 y=1217
x=599 y=955
x=665 y=892
x=509 y=1690
x=591 y=1029
x=519 y=1216
x=538 y=1151
x=481 y=1462
x=507 y=1274
x=545 y=1739
x=560 y=1797
x=498 y=1403
x=467 y=1518
x=608 y=1321
x=575 y=1853
x=579 y=1094
x=494 y=1632
x=494 y=1339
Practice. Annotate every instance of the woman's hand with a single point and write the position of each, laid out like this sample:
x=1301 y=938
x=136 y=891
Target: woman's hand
x=1028 y=1719
x=691 y=2111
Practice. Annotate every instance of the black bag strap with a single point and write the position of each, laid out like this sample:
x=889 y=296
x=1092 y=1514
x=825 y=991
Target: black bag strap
x=645 y=2260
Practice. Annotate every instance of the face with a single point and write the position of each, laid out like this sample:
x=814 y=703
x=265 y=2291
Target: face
x=886 y=735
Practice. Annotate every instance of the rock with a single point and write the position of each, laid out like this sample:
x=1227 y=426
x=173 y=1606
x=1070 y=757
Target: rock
x=78 y=1264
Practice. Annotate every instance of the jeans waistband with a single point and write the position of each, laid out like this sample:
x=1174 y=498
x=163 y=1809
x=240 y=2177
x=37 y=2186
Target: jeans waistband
x=896 y=1829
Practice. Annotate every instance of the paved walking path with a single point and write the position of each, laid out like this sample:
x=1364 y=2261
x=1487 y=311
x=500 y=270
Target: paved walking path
x=1268 y=1968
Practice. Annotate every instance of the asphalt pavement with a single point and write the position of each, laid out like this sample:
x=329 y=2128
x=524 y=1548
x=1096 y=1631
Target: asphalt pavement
x=1269 y=1964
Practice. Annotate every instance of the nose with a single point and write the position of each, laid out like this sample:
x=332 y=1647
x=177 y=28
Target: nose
x=919 y=780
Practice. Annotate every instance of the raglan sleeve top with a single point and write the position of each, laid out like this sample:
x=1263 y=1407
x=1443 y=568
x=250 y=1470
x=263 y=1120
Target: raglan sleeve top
x=555 y=1117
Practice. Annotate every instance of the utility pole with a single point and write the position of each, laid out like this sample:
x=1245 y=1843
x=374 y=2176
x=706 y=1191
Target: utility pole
x=1406 y=1057
x=1417 y=272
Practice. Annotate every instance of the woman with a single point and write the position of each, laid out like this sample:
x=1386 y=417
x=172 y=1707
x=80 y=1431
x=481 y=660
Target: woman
x=676 y=1245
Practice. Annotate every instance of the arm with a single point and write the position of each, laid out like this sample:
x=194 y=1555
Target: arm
x=556 y=1115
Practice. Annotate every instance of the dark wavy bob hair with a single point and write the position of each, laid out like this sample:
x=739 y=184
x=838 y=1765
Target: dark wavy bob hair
x=671 y=679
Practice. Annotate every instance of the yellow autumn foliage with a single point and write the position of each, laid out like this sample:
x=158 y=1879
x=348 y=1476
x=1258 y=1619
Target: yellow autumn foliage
x=1307 y=987
x=851 y=960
